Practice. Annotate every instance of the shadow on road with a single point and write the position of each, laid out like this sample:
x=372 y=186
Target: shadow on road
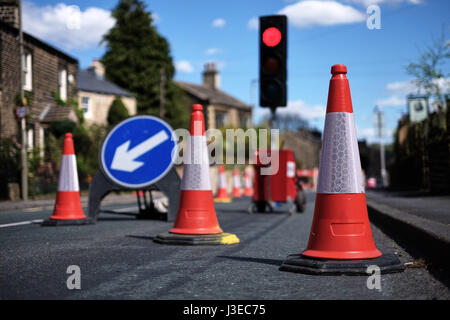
x=273 y=262
x=140 y=237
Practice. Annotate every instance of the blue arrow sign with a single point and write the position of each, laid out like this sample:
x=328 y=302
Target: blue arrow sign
x=138 y=151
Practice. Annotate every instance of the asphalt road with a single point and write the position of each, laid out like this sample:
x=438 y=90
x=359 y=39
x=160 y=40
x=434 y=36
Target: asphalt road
x=119 y=260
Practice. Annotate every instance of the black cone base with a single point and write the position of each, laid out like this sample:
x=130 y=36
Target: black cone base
x=58 y=222
x=388 y=263
x=195 y=239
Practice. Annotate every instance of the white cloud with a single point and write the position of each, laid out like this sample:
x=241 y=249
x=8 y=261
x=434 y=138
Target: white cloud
x=398 y=91
x=156 y=18
x=410 y=87
x=401 y=87
x=219 y=23
x=212 y=51
x=393 y=101
x=299 y=107
x=366 y=3
x=370 y=134
x=310 y=13
x=67 y=26
x=365 y=133
x=253 y=24
x=184 y=66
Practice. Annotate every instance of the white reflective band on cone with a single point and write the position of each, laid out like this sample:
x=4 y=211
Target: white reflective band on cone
x=222 y=180
x=248 y=182
x=68 y=175
x=340 y=166
x=196 y=167
x=237 y=181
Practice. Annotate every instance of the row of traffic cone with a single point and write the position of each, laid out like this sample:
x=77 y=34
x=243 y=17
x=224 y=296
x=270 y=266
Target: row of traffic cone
x=222 y=190
x=340 y=241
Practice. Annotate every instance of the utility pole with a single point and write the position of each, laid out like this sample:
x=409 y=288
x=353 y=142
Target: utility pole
x=23 y=151
x=162 y=85
x=253 y=82
x=379 y=126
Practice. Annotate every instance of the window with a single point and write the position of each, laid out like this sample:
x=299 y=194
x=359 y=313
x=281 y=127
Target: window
x=30 y=139
x=221 y=118
x=62 y=83
x=244 y=119
x=27 y=72
x=86 y=105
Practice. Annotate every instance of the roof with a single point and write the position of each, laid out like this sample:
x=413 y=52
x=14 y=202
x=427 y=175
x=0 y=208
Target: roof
x=212 y=96
x=89 y=81
x=29 y=38
x=58 y=113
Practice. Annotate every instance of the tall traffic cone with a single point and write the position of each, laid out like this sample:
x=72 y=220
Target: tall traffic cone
x=222 y=193
x=237 y=191
x=248 y=188
x=196 y=221
x=67 y=209
x=341 y=240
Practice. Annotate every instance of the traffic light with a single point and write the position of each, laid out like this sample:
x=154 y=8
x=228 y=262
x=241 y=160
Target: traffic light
x=272 y=61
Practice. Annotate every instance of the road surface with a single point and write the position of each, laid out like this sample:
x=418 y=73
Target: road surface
x=118 y=260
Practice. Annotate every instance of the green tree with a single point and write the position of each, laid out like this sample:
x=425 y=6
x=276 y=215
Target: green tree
x=135 y=57
x=117 y=112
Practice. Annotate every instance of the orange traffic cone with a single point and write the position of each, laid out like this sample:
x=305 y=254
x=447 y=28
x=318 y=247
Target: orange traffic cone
x=340 y=229
x=237 y=192
x=248 y=188
x=196 y=221
x=67 y=209
x=222 y=193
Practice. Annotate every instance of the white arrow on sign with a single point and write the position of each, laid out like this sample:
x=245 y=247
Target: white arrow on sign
x=124 y=159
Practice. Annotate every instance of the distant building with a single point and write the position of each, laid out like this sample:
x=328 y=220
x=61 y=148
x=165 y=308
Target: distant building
x=95 y=94
x=220 y=108
x=46 y=71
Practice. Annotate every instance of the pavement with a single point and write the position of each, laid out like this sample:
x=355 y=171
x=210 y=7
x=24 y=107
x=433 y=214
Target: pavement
x=49 y=202
x=431 y=207
x=418 y=221
x=119 y=260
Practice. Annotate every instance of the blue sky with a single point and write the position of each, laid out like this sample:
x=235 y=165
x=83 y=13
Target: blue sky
x=320 y=33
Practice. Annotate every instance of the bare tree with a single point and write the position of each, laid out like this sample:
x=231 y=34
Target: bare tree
x=428 y=71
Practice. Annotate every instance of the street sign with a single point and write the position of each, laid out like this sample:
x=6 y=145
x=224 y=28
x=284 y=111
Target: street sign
x=417 y=108
x=22 y=112
x=138 y=152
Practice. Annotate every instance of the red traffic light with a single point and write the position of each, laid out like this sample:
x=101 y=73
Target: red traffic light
x=271 y=37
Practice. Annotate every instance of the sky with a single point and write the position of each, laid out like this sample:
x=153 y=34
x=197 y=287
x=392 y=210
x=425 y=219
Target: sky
x=321 y=33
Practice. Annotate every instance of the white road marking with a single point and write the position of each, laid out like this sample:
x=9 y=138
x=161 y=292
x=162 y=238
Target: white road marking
x=20 y=223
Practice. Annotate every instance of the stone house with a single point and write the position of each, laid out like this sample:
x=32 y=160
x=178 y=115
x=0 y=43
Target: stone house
x=95 y=94
x=220 y=109
x=47 y=72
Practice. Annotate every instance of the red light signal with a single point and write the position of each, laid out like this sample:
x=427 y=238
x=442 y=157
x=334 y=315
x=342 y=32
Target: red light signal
x=271 y=37
x=272 y=61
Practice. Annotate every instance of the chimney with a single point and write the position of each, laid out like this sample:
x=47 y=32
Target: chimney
x=211 y=78
x=97 y=68
x=9 y=12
